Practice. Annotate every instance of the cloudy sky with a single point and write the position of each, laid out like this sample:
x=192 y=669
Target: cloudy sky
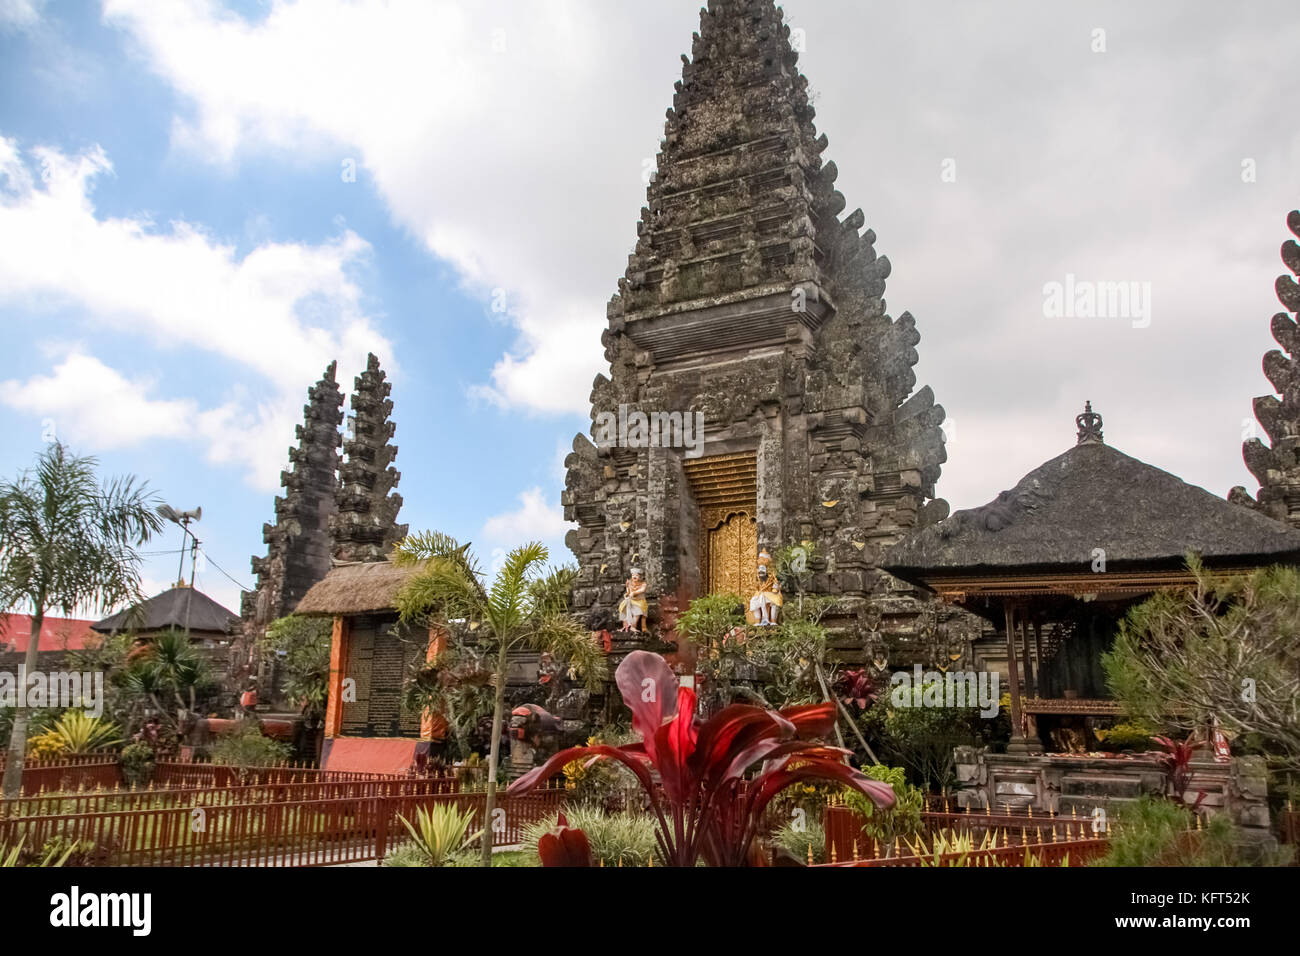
x=202 y=204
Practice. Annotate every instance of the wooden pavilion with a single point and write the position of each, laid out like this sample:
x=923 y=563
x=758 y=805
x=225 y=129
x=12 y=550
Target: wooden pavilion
x=1055 y=563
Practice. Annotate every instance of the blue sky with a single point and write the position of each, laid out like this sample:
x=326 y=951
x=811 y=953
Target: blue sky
x=182 y=252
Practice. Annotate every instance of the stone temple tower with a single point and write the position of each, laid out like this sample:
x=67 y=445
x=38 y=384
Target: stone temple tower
x=298 y=544
x=1277 y=464
x=364 y=526
x=751 y=299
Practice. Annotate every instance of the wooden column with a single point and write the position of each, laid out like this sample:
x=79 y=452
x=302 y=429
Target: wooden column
x=1031 y=682
x=338 y=660
x=1018 y=742
x=1038 y=657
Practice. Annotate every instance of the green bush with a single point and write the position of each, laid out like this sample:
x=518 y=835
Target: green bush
x=903 y=820
x=1154 y=831
x=440 y=833
x=247 y=748
x=623 y=837
x=921 y=739
x=1125 y=736
x=801 y=838
x=137 y=763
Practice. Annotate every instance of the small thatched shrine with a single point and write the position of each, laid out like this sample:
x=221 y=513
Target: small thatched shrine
x=372 y=652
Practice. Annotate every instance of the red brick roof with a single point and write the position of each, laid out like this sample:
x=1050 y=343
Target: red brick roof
x=57 y=633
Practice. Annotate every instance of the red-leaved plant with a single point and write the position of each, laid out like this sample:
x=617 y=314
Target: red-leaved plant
x=703 y=803
x=1176 y=758
x=564 y=846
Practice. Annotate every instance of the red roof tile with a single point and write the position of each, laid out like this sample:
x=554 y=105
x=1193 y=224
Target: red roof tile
x=57 y=633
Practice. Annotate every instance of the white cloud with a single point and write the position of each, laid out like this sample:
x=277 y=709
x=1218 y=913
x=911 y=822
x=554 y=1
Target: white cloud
x=536 y=519
x=491 y=132
x=522 y=168
x=180 y=290
x=20 y=14
x=89 y=403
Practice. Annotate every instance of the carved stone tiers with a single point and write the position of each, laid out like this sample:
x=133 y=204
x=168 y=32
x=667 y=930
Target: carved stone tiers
x=748 y=299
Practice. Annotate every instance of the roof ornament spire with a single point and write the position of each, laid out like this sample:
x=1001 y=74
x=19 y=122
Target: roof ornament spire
x=1089 y=425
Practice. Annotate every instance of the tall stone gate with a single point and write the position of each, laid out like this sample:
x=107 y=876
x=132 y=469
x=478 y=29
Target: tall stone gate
x=751 y=299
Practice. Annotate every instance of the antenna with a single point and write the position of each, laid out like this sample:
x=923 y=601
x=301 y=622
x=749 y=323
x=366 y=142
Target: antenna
x=183 y=518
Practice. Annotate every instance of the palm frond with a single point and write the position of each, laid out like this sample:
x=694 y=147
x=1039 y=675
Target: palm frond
x=509 y=598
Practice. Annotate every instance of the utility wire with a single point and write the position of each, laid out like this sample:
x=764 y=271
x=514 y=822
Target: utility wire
x=207 y=557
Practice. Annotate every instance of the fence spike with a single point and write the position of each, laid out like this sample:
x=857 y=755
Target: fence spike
x=835 y=857
x=855 y=851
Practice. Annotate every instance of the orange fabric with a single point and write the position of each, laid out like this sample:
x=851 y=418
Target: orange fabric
x=434 y=726
x=334 y=700
x=369 y=754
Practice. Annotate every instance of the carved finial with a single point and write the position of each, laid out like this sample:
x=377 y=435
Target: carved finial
x=1089 y=425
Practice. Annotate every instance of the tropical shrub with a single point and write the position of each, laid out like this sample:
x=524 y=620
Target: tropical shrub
x=703 y=803
x=620 y=838
x=303 y=645
x=46 y=746
x=83 y=734
x=439 y=837
x=16 y=857
x=922 y=739
x=247 y=748
x=1126 y=735
x=804 y=839
x=1157 y=832
x=902 y=821
x=1224 y=650
x=137 y=763
x=601 y=784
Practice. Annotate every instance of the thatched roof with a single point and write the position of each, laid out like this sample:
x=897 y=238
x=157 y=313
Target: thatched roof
x=180 y=608
x=359 y=588
x=1093 y=496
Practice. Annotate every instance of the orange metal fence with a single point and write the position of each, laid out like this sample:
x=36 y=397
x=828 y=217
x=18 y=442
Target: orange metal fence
x=294 y=832
x=847 y=838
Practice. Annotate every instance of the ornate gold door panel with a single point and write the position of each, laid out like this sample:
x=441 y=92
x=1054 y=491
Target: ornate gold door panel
x=731 y=545
x=725 y=488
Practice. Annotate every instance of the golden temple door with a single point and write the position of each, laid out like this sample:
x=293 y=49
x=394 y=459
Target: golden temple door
x=725 y=488
x=730 y=553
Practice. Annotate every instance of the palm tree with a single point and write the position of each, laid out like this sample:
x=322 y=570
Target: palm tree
x=67 y=543
x=526 y=605
x=171 y=675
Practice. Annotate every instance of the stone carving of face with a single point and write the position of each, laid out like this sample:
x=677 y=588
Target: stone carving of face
x=762 y=572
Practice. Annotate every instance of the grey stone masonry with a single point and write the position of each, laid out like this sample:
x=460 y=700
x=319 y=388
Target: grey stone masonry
x=751 y=298
x=1277 y=465
x=364 y=526
x=298 y=543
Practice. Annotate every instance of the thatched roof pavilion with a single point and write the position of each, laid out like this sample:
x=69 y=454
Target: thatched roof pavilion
x=1076 y=542
x=1092 y=497
x=181 y=608
x=363 y=587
